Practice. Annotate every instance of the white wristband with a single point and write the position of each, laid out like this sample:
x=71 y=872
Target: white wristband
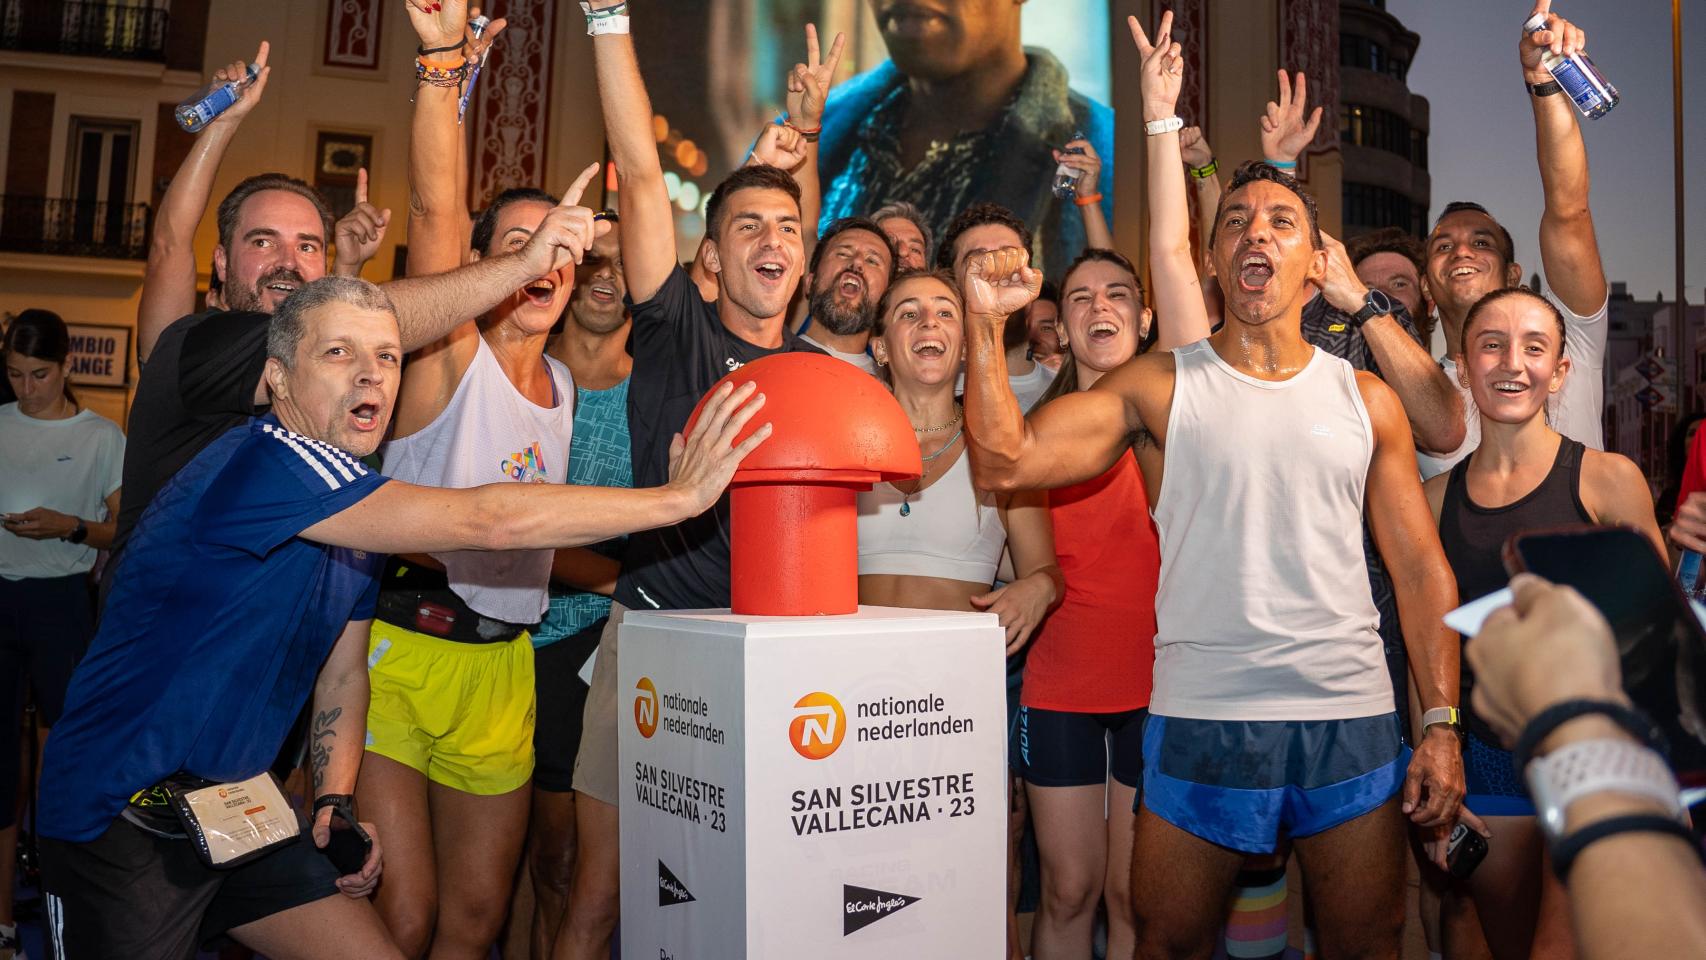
x=1166 y=125
x=1591 y=766
x=611 y=20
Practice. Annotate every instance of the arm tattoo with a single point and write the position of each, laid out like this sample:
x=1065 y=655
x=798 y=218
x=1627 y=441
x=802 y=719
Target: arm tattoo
x=320 y=747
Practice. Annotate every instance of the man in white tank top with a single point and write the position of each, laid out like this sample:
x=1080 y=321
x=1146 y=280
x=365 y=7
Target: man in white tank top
x=1272 y=713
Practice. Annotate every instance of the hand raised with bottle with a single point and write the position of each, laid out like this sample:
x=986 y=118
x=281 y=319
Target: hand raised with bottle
x=1559 y=36
x=237 y=71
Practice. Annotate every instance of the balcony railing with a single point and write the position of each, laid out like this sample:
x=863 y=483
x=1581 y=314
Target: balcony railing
x=121 y=31
x=74 y=228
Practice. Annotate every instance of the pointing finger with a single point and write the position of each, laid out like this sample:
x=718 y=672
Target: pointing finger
x=261 y=54
x=572 y=196
x=813 y=53
x=361 y=186
x=1284 y=90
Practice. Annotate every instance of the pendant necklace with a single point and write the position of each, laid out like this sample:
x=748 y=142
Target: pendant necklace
x=906 y=498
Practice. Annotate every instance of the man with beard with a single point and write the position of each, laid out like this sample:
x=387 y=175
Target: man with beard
x=252 y=589
x=1469 y=254
x=681 y=345
x=1272 y=713
x=850 y=270
x=961 y=112
x=593 y=344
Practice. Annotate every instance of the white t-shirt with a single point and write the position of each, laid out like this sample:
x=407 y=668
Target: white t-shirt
x=1577 y=411
x=68 y=465
x=862 y=360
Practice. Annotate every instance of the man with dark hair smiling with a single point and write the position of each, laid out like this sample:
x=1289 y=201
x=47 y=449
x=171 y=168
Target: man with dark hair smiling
x=850 y=270
x=1470 y=254
x=251 y=589
x=1272 y=711
x=682 y=344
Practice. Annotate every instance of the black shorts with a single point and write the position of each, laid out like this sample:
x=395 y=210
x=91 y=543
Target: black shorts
x=129 y=893
x=46 y=624
x=1054 y=748
x=561 y=701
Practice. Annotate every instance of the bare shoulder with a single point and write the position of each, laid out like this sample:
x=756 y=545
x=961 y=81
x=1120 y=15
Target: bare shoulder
x=1385 y=410
x=1611 y=476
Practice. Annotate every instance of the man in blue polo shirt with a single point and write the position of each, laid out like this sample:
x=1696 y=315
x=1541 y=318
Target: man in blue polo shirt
x=249 y=586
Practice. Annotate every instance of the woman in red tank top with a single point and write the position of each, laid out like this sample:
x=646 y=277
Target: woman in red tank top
x=1078 y=740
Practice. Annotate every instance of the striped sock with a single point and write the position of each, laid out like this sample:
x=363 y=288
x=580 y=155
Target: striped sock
x=1257 y=926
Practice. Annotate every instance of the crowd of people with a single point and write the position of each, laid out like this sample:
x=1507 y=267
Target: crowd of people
x=371 y=538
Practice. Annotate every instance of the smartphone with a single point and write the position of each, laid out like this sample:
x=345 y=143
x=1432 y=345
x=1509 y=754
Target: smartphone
x=1464 y=851
x=1659 y=639
x=349 y=843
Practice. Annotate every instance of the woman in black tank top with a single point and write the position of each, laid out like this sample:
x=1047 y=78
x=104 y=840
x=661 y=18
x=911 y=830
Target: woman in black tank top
x=1524 y=476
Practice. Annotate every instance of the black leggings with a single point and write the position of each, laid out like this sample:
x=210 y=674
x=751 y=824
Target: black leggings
x=46 y=624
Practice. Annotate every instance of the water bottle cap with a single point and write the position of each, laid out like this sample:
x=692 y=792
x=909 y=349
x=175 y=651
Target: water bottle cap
x=1536 y=22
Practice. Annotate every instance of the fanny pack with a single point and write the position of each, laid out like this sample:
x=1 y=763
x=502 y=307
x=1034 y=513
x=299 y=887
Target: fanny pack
x=420 y=599
x=230 y=824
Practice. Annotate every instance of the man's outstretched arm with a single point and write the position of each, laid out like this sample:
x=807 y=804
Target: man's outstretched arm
x=404 y=518
x=168 y=281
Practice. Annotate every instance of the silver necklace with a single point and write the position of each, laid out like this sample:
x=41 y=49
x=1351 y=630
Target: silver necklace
x=906 y=498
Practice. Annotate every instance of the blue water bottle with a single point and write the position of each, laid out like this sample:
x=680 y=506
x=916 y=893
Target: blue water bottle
x=212 y=100
x=1065 y=183
x=1592 y=94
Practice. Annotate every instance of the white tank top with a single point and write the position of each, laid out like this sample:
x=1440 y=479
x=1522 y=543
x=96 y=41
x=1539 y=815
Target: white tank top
x=949 y=530
x=489 y=432
x=1264 y=610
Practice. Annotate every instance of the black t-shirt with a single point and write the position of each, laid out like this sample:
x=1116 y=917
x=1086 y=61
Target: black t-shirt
x=199 y=383
x=680 y=349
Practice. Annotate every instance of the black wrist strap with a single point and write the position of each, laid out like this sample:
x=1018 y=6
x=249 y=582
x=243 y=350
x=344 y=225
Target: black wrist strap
x=1566 y=850
x=1546 y=89
x=423 y=51
x=1541 y=725
x=344 y=801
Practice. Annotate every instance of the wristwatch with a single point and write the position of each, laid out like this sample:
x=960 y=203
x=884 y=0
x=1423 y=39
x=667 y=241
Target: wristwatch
x=79 y=533
x=1439 y=716
x=1374 y=304
x=1590 y=766
x=1155 y=128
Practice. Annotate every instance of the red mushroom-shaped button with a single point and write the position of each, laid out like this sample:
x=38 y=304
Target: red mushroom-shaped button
x=793 y=520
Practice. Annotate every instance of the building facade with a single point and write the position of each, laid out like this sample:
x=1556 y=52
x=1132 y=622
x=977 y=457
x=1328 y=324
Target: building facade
x=1383 y=127
x=87 y=91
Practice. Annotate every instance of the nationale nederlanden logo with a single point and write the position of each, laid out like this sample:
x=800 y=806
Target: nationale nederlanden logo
x=646 y=707
x=819 y=726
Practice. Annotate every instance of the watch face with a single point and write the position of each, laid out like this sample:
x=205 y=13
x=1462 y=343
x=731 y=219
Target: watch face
x=1381 y=303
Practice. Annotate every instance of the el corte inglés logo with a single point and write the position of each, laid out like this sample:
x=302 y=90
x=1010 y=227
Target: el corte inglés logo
x=818 y=727
x=646 y=707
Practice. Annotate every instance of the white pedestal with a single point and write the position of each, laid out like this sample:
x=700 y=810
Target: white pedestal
x=813 y=787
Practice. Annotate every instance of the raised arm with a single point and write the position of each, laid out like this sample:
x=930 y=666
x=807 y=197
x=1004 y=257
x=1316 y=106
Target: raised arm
x=1071 y=438
x=1431 y=402
x=168 y=281
x=1178 y=292
x=1205 y=180
x=648 y=226
x=1097 y=234
x=1286 y=132
x=808 y=89
x=404 y=518
x=360 y=232
x=1569 y=251
x=438 y=210
x=1408 y=541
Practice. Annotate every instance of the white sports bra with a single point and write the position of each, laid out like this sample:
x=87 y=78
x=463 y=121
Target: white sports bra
x=949 y=530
